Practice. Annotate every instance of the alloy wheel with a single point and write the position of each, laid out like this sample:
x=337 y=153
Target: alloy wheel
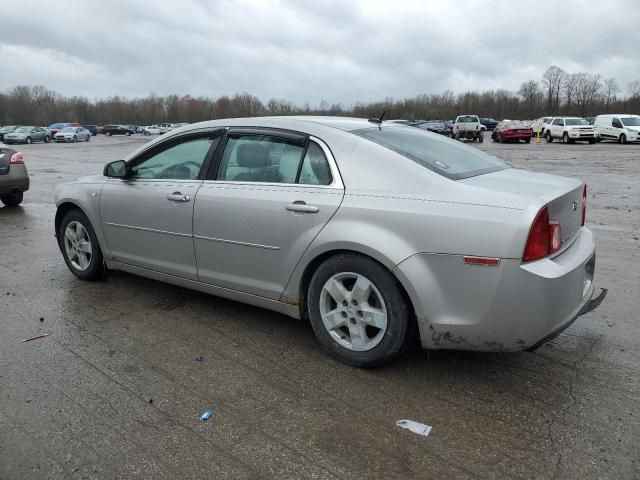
x=77 y=244
x=353 y=311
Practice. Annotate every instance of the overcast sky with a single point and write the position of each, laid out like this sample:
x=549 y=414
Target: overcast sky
x=306 y=51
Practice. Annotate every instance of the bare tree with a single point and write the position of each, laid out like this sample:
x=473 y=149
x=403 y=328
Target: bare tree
x=633 y=89
x=611 y=87
x=554 y=79
x=532 y=95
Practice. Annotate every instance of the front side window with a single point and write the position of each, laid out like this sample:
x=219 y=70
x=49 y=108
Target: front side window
x=182 y=161
x=260 y=158
x=441 y=155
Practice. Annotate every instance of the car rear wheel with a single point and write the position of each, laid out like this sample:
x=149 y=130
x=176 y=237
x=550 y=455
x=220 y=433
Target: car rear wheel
x=12 y=199
x=75 y=139
x=623 y=139
x=79 y=246
x=358 y=311
x=47 y=139
x=108 y=134
x=28 y=141
x=128 y=134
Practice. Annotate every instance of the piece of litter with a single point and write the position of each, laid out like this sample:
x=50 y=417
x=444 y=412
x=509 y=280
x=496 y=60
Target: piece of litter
x=206 y=415
x=415 y=427
x=36 y=337
x=199 y=359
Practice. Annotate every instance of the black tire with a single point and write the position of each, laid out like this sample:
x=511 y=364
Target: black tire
x=12 y=199
x=481 y=138
x=128 y=134
x=96 y=269
x=28 y=141
x=47 y=139
x=75 y=139
x=108 y=134
x=400 y=326
x=527 y=140
x=88 y=138
x=500 y=139
x=565 y=137
x=592 y=141
x=622 y=139
x=548 y=137
x=493 y=137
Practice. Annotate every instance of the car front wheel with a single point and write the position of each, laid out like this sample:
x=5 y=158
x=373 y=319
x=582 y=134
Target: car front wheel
x=79 y=246
x=549 y=137
x=12 y=199
x=358 y=311
x=623 y=139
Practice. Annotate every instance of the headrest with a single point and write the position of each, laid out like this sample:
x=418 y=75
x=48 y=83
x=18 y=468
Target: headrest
x=252 y=155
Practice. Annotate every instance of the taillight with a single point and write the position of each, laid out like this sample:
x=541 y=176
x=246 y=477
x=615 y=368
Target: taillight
x=584 y=204
x=545 y=237
x=539 y=237
x=17 y=158
x=555 y=237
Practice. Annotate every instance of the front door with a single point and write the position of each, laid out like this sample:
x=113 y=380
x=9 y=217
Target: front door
x=268 y=197
x=147 y=217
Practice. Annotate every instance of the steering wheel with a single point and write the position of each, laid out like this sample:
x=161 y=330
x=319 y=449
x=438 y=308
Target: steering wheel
x=180 y=171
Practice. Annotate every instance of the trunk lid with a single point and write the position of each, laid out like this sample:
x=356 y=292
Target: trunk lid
x=563 y=195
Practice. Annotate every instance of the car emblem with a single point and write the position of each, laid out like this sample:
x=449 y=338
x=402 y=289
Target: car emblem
x=574 y=206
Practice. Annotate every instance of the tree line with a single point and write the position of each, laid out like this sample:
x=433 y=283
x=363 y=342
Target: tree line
x=557 y=93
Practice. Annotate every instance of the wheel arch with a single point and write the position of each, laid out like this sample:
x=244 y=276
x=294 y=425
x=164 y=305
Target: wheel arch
x=65 y=207
x=315 y=262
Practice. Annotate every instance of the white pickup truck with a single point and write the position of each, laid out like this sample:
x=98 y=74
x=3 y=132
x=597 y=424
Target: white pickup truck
x=469 y=127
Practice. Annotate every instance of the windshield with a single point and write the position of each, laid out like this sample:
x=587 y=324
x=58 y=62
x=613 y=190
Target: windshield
x=8 y=128
x=575 y=121
x=68 y=130
x=22 y=129
x=57 y=125
x=446 y=157
x=631 y=121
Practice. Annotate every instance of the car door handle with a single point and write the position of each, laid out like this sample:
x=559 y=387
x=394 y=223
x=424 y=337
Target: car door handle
x=301 y=207
x=178 y=197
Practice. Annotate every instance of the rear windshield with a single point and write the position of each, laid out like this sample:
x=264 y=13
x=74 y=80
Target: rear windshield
x=449 y=158
x=468 y=119
x=575 y=121
x=631 y=121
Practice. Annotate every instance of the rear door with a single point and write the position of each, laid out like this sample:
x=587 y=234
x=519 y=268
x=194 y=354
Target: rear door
x=267 y=197
x=147 y=219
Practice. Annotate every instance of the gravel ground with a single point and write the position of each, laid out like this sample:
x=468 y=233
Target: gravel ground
x=115 y=390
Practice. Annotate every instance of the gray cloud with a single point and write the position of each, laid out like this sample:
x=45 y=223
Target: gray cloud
x=308 y=51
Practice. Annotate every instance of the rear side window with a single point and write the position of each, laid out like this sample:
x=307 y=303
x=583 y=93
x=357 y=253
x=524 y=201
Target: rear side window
x=315 y=168
x=257 y=157
x=446 y=157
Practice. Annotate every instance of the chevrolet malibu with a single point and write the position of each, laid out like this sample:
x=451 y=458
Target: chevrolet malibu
x=376 y=233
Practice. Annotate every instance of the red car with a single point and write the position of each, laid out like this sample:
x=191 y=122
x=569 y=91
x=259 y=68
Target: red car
x=511 y=132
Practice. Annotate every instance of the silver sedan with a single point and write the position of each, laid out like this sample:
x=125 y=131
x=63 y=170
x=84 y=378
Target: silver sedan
x=377 y=233
x=73 y=134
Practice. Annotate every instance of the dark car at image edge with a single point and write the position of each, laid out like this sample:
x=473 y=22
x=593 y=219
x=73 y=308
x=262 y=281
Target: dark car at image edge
x=114 y=129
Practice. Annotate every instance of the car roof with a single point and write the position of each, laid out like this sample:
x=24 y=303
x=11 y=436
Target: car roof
x=618 y=115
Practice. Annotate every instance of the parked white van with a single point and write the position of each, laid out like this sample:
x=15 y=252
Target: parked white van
x=621 y=128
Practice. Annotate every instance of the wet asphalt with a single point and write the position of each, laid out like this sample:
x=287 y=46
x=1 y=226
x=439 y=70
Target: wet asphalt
x=116 y=388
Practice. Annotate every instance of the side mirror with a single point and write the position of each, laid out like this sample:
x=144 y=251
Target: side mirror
x=117 y=169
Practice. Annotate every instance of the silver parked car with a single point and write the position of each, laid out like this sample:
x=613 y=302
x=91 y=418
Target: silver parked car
x=73 y=134
x=375 y=232
x=14 y=178
x=28 y=135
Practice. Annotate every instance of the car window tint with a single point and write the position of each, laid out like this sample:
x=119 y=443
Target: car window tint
x=260 y=158
x=315 y=168
x=446 y=157
x=179 y=162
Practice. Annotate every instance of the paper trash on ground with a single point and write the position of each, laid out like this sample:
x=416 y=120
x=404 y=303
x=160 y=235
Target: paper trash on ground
x=415 y=427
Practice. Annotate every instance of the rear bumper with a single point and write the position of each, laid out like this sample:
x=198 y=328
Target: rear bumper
x=511 y=307
x=16 y=179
